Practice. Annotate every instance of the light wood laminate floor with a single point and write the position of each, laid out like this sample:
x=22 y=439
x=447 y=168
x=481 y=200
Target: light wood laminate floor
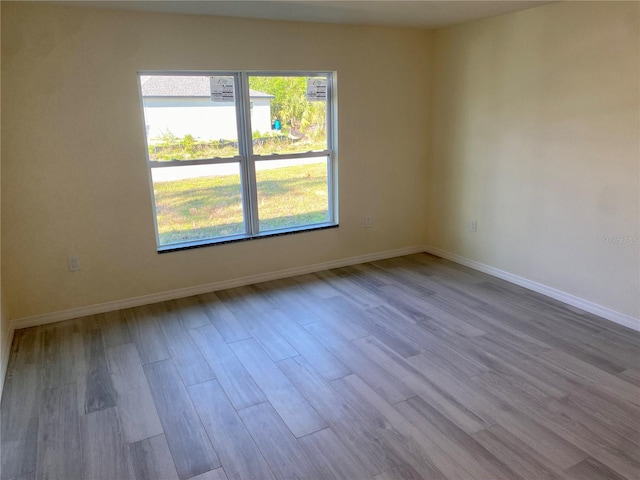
x=409 y=368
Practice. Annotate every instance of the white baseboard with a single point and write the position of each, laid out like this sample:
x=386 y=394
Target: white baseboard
x=6 y=350
x=59 y=316
x=596 y=309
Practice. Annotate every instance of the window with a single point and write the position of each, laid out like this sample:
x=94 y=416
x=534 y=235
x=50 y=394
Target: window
x=239 y=155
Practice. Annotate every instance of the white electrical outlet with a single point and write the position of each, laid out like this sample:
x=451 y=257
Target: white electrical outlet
x=474 y=225
x=74 y=263
x=367 y=221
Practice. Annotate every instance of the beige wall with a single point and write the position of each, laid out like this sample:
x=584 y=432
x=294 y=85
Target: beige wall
x=4 y=317
x=74 y=174
x=536 y=135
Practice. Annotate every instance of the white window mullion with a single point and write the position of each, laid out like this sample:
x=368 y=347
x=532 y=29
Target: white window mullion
x=250 y=191
x=245 y=152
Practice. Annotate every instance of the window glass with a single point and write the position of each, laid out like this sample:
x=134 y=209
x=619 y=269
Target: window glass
x=288 y=114
x=198 y=202
x=292 y=193
x=185 y=119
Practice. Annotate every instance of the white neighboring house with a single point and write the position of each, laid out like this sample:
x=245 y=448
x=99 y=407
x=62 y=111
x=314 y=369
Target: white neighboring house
x=182 y=105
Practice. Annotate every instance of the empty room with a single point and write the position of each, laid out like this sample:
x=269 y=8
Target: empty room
x=320 y=240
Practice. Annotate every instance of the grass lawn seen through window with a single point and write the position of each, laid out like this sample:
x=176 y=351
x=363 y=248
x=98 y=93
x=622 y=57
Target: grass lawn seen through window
x=210 y=207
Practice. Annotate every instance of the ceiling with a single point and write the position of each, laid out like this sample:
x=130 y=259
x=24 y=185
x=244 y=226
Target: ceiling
x=417 y=13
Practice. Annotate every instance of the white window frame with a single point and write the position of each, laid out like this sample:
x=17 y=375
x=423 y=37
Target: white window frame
x=247 y=159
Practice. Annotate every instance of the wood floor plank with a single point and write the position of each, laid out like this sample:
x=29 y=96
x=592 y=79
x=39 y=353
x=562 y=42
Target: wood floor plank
x=99 y=392
x=315 y=286
x=26 y=476
x=394 y=321
x=337 y=312
x=446 y=321
x=59 y=435
x=610 y=413
x=512 y=391
x=477 y=400
x=221 y=317
x=424 y=277
x=620 y=344
x=135 y=404
x=389 y=277
x=237 y=383
x=313 y=351
x=593 y=374
x=114 y=328
x=331 y=458
x=281 y=293
x=388 y=386
x=549 y=446
x=627 y=438
x=369 y=279
x=191 y=311
x=239 y=455
x=400 y=368
x=353 y=429
x=491 y=323
x=104 y=454
x=614 y=451
x=591 y=469
x=558 y=334
x=294 y=409
x=217 y=474
x=534 y=303
x=373 y=326
x=190 y=447
x=530 y=368
x=619 y=352
x=287 y=294
x=67 y=357
x=530 y=371
x=62 y=357
x=151 y=459
x=471 y=456
x=403 y=305
x=270 y=339
x=632 y=375
x=285 y=456
x=349 y=286
x=146 y=334
x=606 y=408
x=21 y=400
x=409 y=443
x=399 y=473
x=27 y=349
x=510 y=450
x=250 y=309
x=191 y=365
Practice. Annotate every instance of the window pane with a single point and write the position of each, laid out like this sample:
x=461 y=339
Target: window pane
x=197 y=202
x=292 y=193
x=288 y=114
x=186 y=118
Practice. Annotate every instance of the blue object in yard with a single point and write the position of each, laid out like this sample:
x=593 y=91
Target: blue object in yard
x=277 y=125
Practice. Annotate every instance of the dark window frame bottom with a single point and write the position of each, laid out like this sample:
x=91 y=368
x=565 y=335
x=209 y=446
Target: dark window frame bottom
x=244 y=238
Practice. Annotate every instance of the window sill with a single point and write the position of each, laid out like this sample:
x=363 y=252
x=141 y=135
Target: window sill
x=243 y=238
